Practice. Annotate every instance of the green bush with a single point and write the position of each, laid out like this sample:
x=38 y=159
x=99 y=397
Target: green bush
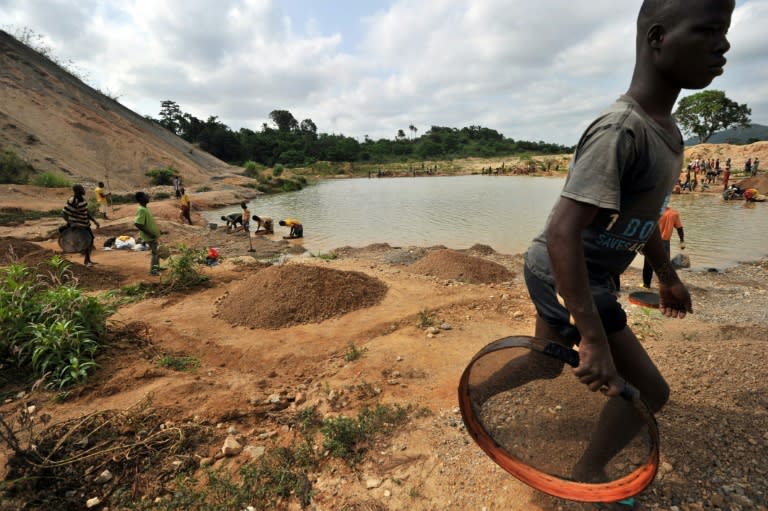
x=201 y=189
x=277 y=171
x=161 y=196
x=252 y=169
x=290 y=186
x=50 y=180
x=13 y=169
x=183 y=270
x=161 y=176
x=48 y=326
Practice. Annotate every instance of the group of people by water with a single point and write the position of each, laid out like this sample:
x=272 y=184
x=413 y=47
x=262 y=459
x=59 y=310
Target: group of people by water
x=701 y=174
x=77 y=216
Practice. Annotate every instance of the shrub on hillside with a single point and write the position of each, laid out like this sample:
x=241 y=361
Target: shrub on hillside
x=14 y=169
x=161 y=176
x=50 y=180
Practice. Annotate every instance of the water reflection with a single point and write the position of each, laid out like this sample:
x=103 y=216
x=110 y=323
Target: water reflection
x=504 y=212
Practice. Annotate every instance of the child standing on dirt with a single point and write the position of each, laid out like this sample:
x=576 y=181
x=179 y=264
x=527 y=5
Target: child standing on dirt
x=186 y=206
x=150 y=232
x=102 y=199
x=621 y=176
x=77 y=215
x=246 y=217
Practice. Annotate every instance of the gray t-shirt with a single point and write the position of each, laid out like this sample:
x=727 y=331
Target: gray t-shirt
x=626 y=165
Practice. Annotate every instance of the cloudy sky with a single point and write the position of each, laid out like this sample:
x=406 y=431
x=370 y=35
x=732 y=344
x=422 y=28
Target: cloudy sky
x=531 y=70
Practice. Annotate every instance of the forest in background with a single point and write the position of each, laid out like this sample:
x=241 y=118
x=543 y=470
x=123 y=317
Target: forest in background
x=293 y=143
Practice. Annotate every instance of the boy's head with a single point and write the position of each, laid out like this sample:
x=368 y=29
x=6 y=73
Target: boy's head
x=281 y=222
x=683 y=41
x=142 y=198
x=101 y=184
x=78 y=190
x=243 y=205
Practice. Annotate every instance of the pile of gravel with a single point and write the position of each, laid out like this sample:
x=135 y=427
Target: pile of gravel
x=295 y=294
x=451 y=265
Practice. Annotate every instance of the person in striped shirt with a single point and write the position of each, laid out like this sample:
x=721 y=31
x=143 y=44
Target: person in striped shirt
x=77 y=215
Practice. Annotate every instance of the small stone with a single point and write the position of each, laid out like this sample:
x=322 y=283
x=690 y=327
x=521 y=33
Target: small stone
x=104 y=477
x=372 y=483
x=93 y=502
x=445 y=326
x=231 y=447
x=255 y=451
x=206 y=462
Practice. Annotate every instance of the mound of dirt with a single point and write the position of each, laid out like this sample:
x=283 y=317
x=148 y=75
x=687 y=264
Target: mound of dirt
x=282 y=296
x=29 y=254
x=451 y=265
x=14 y=250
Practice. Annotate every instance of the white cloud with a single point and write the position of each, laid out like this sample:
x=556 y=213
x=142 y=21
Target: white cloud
x=531 y=70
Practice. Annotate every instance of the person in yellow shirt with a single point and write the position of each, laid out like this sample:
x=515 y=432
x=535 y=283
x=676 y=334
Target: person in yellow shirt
x=102 y=199
x=668 y=220
x=297 y=230
x=186 y=207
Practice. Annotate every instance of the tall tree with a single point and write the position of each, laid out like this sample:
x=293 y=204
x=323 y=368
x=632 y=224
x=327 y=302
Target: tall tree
x=706 y=112
x=413 y=129
x=284 y=120
x=170 y=115
x=400 y=134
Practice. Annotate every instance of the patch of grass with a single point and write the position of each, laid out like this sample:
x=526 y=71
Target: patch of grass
x=354 y=352
x=161 y=196
x=326 y=256
x=349 y=438
x=201 y=189
x=17 y=216
x=182 y=363
x=50 y=180
x=276 y=478
x=426 y=318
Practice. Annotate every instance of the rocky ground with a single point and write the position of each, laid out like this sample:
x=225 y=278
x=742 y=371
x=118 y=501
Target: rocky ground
x=254 y=376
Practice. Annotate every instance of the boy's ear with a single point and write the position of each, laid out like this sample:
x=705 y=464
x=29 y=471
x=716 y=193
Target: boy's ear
x=655 y=36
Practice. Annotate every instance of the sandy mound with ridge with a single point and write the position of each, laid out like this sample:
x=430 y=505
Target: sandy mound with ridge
x=282 y=296
x=451 y=265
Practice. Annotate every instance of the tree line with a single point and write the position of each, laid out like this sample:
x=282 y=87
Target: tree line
x=297 y=143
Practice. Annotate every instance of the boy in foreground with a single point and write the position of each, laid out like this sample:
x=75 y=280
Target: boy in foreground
x=621 y=177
